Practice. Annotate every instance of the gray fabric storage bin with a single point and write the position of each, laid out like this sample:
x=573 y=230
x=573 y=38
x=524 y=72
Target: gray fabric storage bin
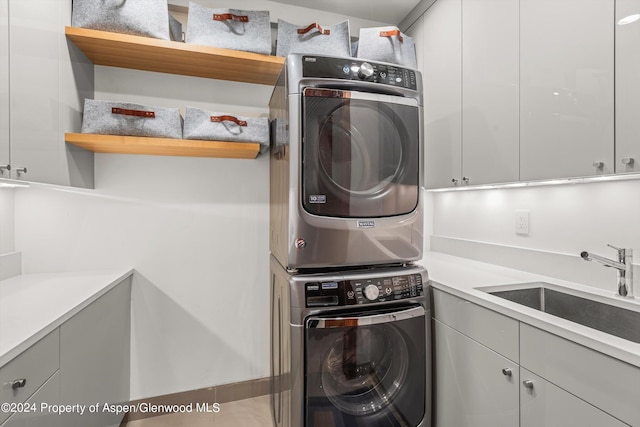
x=213 y=126
x=249 y=31
x=123 y=118
x=149 y=18
x=313 y=39
x=387 y=44
x=175 y=29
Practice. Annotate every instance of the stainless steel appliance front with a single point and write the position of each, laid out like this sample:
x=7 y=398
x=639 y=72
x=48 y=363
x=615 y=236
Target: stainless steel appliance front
x=351 y=348
x=346 y=164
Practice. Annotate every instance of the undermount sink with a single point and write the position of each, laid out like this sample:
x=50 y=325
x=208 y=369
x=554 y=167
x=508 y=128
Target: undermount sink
x=604 y=317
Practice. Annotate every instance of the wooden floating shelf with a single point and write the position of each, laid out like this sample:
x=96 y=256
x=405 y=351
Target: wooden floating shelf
x=117 y=144
x=149 y=54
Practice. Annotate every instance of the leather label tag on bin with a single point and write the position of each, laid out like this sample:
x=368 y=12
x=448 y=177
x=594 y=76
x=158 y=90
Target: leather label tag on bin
x=228 y=119
x=230 y=17
x=392 y=33
x=311 y=27
x=137 y=113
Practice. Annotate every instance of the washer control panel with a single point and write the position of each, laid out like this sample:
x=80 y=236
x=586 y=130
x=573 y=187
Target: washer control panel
x=363 y=291
x=355 y=69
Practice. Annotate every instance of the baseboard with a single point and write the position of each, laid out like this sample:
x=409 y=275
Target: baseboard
x=217 y=394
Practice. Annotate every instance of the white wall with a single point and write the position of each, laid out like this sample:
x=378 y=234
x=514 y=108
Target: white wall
x=563 y=221
x=196 y=231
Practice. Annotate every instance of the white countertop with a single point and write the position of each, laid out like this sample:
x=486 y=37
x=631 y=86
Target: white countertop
x=33 y=305
x=464 y=278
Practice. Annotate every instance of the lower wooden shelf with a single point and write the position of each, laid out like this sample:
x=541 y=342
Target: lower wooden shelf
x=163 y=146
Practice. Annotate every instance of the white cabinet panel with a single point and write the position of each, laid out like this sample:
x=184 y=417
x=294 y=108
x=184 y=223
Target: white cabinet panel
x=47 y=394
x=498 y=332
x=4 y=87
x=471 y=388
x=49 y=79
x=35 y=365
x=566 y=96
x=627 y=86
x=490 y=91
x=605 y=382
x=94 y=357
x=544 y=404
x=442 y=73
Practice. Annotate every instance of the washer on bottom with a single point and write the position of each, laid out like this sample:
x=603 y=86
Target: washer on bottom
x=351 y=348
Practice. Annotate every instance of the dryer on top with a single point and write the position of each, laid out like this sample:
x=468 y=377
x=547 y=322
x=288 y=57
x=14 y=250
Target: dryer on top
x=346 y=163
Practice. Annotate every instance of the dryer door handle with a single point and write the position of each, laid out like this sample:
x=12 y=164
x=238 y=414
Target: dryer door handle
x=353 y=321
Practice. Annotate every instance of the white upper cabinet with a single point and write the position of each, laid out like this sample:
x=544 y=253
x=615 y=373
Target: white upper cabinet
x=566 y=92
x=490 y=77
x=627 y=86
x=442 y=73
x=4 y=88
x=49 y=79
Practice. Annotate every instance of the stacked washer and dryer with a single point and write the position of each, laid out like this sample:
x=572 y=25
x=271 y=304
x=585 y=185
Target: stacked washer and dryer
x=349 y=309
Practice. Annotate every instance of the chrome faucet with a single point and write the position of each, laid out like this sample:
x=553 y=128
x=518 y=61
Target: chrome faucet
x=624 y=265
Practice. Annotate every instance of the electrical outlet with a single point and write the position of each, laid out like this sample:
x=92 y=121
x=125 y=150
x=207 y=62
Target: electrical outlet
x=522 y=223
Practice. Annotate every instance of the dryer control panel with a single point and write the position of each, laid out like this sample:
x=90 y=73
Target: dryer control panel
x=358 y=70
x=363 y=291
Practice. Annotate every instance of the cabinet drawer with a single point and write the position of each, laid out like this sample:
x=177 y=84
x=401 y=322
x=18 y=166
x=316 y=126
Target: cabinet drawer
x=604 y=382
x=35 y=365
x=48 y=393
x=498 y=332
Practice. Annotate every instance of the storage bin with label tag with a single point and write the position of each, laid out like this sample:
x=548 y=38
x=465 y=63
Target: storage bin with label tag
x=213 y=126
x=249 y=31
x=316 y=39
x=387 y=44
x=149 y=18
x=123 y=118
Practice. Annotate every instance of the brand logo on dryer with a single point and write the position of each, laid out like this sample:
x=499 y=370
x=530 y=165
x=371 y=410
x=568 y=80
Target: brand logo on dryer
x=366 y=224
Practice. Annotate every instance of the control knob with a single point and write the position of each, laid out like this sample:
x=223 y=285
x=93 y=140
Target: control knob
x=365 y=71
x=371 y=292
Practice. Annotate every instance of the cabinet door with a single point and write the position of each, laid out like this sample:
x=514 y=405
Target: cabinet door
x=47 y=394
x=627 y=86
x=442 y=72
x=94 y=357
x=47 y=78
x=544 y=404
x=566 y=96
x=471 y=388
x=4 y=87
x=490 y=94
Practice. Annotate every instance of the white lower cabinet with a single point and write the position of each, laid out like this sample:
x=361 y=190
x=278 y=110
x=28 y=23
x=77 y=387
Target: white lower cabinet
x=475 y=386
x=543 y=404
x=548 y=382
x=83 y=362
x=47 y=395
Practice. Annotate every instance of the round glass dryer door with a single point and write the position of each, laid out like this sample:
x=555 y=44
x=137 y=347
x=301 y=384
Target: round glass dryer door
x=366 y=370
x=361 y=153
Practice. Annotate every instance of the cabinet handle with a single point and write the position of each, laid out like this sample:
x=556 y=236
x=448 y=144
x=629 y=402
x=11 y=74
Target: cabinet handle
x=528 y=384
x=507 y=372
x=6 y=167
x=628 y=161
x=465 y=179
x=15 y=384
x=598 y=165
x=20 y=171
x=455 y=181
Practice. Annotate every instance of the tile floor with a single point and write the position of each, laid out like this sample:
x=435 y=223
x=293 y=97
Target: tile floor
x=254 y=412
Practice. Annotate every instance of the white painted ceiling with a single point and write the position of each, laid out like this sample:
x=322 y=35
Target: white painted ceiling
x=388 y=11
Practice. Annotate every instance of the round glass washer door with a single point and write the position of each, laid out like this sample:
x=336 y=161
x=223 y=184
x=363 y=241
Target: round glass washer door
x=364 y=369
x=361 y=148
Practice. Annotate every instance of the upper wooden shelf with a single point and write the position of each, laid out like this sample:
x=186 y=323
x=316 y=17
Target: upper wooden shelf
x=117 y=144
x=149 y=54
